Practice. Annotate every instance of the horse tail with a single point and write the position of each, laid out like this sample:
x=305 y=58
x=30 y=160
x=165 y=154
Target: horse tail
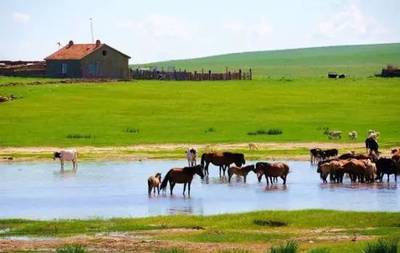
x=165 y=181
x=203 y=157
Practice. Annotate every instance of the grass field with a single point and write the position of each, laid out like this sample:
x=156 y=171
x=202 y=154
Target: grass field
x=139 y=112
x=339 y=231
x=356 y=61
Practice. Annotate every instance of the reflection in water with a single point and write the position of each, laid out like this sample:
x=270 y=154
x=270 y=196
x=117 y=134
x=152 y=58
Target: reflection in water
x=119 y=189
x=275 y=187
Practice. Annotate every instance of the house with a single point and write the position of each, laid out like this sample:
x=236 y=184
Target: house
x=88 y=61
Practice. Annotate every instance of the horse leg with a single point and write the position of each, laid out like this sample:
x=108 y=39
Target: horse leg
x=189 y=188
x=184 y=189
x=62 y=164
x=244 y=178
x=158 y=189
x=284 y=179
x=224 y=169
x=149 y=188
x=229 y=177
x=171 y=186
x=388 y=177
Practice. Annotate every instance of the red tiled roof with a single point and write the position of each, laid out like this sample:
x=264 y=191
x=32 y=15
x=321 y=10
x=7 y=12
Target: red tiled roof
x=77 y=51
x=73 y=52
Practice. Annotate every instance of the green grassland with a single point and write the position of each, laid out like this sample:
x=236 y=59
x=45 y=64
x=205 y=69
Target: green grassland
x=136 y=112
x=322 y=227
x=356 y=61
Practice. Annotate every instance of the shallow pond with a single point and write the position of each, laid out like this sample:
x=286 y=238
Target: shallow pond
x=119 y=189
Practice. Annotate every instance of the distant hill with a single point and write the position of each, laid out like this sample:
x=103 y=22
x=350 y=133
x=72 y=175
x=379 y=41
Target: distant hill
x=356 y=60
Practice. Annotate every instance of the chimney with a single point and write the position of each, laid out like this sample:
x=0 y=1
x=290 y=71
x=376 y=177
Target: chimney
x=98 y=43
x=70 y=43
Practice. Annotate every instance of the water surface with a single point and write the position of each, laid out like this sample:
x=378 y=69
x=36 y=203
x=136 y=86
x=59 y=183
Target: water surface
x=119 y=189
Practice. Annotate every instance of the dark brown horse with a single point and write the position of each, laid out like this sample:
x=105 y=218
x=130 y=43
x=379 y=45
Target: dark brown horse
x=221 y=159
x=181 y=176
x=271 y=171
x=240 y=171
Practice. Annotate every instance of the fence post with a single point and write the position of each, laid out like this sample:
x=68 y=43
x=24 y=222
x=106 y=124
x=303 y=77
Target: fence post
x=240 y=74
x=251 y=75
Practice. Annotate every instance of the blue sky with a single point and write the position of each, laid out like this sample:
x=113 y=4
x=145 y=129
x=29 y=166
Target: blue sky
x=162 y=30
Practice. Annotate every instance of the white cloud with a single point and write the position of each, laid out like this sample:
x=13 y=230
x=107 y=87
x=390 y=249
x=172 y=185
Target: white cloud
x=21 y=17
x=350 y=22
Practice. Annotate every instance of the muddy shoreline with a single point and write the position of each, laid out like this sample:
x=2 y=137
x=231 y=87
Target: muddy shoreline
x=268 y=151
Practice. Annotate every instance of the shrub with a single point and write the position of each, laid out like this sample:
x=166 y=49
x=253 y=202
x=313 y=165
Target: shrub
x=382 y=246
x=319 y=250
x=272 y=131
x=71 y=249
x=289 y=247
x=132 y=130
x=269 y=223
x=209 y=130
x=79 y=136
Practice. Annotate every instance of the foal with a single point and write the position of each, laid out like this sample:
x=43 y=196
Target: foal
x=240 y=171
x=154 y=183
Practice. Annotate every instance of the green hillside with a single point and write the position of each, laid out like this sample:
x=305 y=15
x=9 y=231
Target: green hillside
x=358 y=60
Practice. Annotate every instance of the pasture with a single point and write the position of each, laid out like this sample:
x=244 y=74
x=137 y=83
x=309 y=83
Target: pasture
x=356 y=61
x=145 y=112
x=341 y=232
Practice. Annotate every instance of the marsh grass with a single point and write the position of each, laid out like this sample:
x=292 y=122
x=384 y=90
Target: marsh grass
x=382 y=246
x=289 y=247
x=319 y=250
x=72 y=248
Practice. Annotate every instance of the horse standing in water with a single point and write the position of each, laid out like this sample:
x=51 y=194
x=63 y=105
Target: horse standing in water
x=221 y=159
x=154 y=183
x=67 y=155
x=181 y=176
x=240 y=171
x=272 y=170
x=191 y=155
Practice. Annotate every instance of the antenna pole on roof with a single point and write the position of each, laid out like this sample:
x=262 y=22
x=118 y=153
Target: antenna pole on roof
x=91 y=29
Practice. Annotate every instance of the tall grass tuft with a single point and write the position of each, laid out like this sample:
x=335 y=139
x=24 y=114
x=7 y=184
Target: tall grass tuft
x=71 y=249
x=382 y=246
x=319 y=250
x=289 y=247
x=235 y=251
x=170 y=250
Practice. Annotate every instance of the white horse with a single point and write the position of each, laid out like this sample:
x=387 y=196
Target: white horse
x=67 y=155
x=191 y=155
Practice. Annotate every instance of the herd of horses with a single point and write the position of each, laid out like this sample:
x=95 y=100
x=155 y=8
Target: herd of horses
x=233 y=163
x=362 y=168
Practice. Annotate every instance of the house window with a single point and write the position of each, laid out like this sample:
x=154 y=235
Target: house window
x=104 y=52
x=64 y=68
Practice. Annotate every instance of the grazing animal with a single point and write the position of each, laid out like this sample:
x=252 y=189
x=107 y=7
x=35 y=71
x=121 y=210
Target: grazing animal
x=272 y=170
x=386 y=166
x=353 y=135
x=356 y=170
x=181 y=176
x=154 y=183
x=253 y=146
x=67 y=155
x=328 y=153
x=335 y=135
x=315 y=155
x=191 y=155
x=221 y=159
x=240 y=171
x=353 y=155
x=371 y=145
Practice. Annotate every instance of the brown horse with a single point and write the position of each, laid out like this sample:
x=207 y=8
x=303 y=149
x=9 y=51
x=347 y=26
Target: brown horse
x=240 y=171
x=154 y=183
x=181 y=176
x=272 y=170
x=221 y=159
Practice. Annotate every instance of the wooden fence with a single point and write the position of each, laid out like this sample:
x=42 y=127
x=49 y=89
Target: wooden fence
x=141 y=74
